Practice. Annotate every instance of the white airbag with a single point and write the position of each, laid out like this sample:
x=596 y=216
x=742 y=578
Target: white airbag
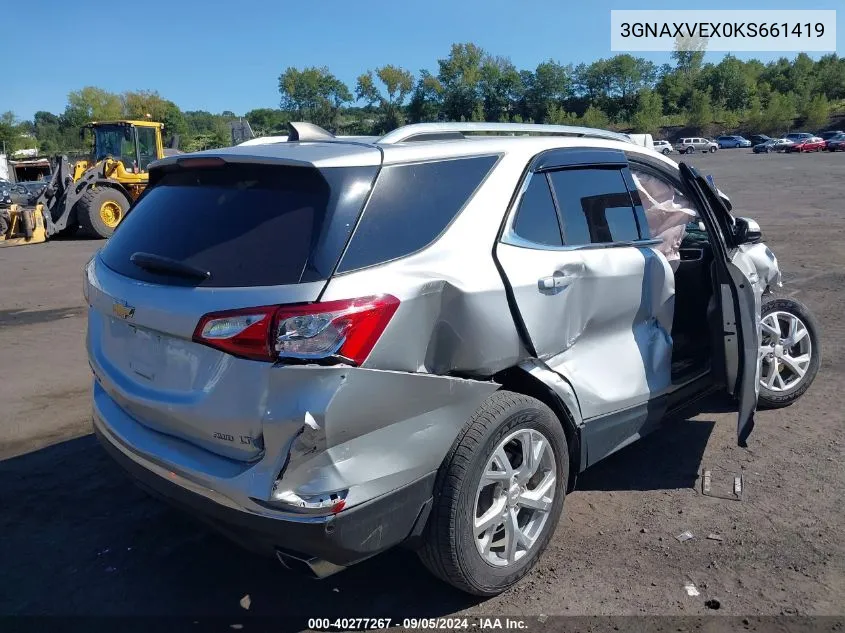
x=667 y=211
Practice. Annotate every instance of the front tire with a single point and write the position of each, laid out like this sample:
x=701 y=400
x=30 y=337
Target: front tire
x=712 y=149
x=790 y=352
x=100 y=210
x=666 y=152
x=498 y=495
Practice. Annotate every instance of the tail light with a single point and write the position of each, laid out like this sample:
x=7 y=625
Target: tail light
x=345 y=330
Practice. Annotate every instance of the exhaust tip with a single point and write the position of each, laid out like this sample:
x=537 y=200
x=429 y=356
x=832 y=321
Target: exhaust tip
x=312 y=567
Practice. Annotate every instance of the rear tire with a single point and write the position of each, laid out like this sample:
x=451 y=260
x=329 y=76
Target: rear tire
x=100 y=210
x=455 y=548
x=776 y=398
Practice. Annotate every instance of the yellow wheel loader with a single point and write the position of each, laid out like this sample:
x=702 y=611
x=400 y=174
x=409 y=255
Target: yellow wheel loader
x=93 y=194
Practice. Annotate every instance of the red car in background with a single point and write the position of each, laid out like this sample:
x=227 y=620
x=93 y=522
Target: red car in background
x=812 y=144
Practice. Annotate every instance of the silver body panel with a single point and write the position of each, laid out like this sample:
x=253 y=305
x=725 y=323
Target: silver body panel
x=607 y=303
x=598 y=339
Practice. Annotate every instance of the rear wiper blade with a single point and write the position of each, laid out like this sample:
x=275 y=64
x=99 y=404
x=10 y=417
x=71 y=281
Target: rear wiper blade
x=159 y=264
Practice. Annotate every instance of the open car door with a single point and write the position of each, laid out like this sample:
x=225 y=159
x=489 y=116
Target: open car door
x=738 y=294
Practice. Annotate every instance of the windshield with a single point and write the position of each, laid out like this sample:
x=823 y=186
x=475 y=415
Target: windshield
x=110 y=140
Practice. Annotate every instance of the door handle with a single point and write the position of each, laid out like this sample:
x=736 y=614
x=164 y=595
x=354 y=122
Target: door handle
x=554 y=281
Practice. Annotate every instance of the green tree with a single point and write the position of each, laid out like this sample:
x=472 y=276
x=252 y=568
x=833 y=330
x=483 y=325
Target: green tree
x=674 y=89
x=46 y=128
x=626 y=77
x=92 y=104
x=427 y=98
x=314 y=94
x=688 y=62
x=778 y=115
x=593 y=81
x=500 y=87
x=397 y=84
x=688 y=55
x=595 y=117
x=460 y=76
x=556 y=115
x=649 y=113
x=701 y=111
x=816 y=113
x=730 y=84
x=830 y=74
x=9 y=132
x=267 y=121
x=550 y=86
x=205 y=130
x=149 y=104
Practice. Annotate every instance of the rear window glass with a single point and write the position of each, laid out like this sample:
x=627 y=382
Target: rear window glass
x=246 y=224
x=536 y=219
x=411 y=205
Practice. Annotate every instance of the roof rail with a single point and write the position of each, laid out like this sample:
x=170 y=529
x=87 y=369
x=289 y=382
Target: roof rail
x=442 y=131
x=302 y=131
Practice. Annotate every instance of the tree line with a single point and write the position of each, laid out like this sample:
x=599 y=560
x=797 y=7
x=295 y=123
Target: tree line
x=470 y=84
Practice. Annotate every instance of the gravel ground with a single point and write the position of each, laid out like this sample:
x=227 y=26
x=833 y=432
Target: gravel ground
x=78 y=539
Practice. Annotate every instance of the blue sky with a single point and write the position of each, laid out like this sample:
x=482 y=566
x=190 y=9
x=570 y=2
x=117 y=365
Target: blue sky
x=213 y=55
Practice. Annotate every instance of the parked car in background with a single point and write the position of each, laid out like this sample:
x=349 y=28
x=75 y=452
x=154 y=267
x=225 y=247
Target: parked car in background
x=836 y=143
x=696 y=144
x=826 y=136
x=665 y=147
x=726 y=142
x=27 y=192
x=759 y=139
x=795 y=137
x=812 y=144
x=772 y=145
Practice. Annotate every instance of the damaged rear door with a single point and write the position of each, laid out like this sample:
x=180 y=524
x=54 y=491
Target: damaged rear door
x=738 y=293
x=592 y=298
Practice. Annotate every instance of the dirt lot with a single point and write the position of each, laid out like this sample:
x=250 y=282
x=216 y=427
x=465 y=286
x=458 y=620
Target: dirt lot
x=77 y=538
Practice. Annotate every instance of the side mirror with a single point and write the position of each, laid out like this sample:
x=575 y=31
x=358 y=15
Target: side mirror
x=747 y=231
x=127 y=133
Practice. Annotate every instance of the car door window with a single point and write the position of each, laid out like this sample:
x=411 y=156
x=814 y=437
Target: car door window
x=536 y=219
x=595 y=206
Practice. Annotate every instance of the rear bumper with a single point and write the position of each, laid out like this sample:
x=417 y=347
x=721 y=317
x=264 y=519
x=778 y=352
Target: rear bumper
x=342 y=539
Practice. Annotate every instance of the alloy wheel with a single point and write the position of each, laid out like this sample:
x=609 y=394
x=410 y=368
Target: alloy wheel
x=514 y=497
x=785 y=350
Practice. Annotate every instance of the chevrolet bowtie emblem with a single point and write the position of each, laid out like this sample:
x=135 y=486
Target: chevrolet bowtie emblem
x=123 y=310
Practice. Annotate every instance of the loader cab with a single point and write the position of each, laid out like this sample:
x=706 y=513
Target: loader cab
x=136 y=144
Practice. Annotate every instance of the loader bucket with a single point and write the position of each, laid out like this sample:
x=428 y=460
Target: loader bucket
x=20 y=226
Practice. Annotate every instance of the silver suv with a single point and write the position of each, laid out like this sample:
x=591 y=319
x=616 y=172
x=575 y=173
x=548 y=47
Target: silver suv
x=697 y=144
x=328 y=347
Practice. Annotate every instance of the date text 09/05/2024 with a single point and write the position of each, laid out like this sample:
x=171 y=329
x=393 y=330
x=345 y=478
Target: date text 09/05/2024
x=448 y=624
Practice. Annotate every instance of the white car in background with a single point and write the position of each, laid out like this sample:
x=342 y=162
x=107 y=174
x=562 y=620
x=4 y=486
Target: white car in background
x=665 y=147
